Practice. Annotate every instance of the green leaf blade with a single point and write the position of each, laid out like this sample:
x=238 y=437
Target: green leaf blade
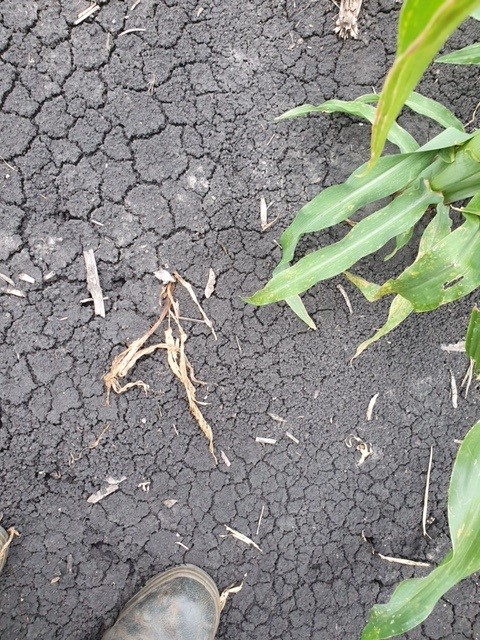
x=397 y=135
x=447 y=272
x=472 y=340
x=413 y=600
x=467 y=55
x=337 y=203
x=423 y=29
x=368 y=235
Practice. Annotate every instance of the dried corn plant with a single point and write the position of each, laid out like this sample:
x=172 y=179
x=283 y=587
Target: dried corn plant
x=174 y=345
x=347 y=21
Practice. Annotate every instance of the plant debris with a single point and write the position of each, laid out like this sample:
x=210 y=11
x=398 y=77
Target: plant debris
x=93 y=282
x=409 y=563
x=170 y=503
x=274 y=416
x=112 y=486
x=180 y=544
x=347 y=21
x=86 y=13
x=292 y=437
x=260 y=520
x=454 y=390
x=265 y=440
x=26 y=278
x=7 y=279
x=12 y=533
x=229 y=591
x=212 y=279
x=467 y=380
x=425 y=499
x=264 y=215
x=365 y=448
x=13 y=292
x=223 y=455
x=371 y=406
x=346 y=298
x=457 y=347
x=241 y=537
x=174 y=345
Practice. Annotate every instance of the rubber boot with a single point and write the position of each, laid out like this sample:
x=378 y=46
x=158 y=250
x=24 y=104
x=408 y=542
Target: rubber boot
x=3 y=539
x=180 y=604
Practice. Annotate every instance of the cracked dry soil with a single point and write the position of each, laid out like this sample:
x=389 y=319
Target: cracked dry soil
x=166 y=138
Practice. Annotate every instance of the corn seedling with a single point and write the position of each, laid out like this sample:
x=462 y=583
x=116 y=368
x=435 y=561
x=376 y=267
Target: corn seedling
x=414 y=599
x=419 y=180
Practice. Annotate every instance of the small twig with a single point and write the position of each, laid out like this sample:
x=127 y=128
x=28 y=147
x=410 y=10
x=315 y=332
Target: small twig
x=409 y=563
x=260 y=520
x=83 y=15
x=425 y=499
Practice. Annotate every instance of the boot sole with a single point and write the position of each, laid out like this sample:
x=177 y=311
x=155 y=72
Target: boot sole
x=3 y=539
x=182 y=571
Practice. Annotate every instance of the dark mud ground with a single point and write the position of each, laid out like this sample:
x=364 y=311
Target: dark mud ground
x=175 y=177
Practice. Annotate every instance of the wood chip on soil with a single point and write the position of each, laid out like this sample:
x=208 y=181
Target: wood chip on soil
x=457 y=347
x=93 y=282
x=274 y=416
x=240 y=536
x=26 y=278
x=170 y=503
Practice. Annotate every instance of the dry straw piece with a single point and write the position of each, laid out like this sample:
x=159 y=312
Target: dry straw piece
x=174 y=345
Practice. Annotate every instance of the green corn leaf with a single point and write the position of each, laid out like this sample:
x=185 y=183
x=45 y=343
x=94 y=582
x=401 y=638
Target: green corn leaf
x=399 y=136
x=413 y=600
x=475 y=14
x=472 y=340
x=423 y=29
x=447 y=272
x=400 y=241
x=296 y=305
x=400 y=308
x=473 y=206
x=399 y=311
x=366 y=237
x=451 y=137
x=467 y=55
x=338 y=202
x=425 y=107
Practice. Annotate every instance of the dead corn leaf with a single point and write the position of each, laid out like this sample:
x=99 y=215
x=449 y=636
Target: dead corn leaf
x=177 y=359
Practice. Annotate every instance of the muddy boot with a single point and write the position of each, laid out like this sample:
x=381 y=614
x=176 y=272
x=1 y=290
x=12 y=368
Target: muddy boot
x=179 y=604
x=3 y=539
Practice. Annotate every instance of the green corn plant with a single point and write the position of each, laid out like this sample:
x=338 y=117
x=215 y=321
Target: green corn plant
x=419 y=180
x=414 y=599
